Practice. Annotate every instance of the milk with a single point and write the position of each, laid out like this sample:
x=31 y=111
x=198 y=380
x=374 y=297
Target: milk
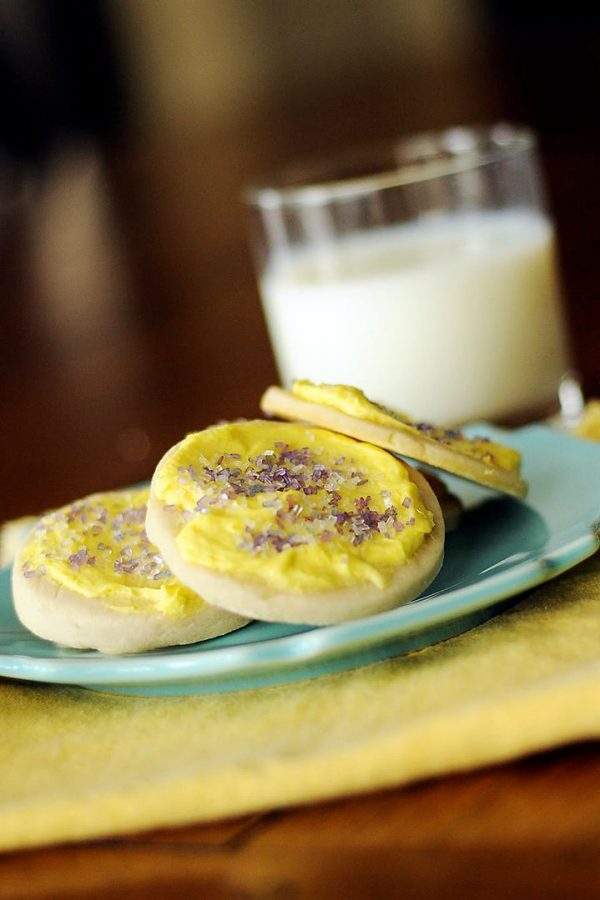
x=449 y=319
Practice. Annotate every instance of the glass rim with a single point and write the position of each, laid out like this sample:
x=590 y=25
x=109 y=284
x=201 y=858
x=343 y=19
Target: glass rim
x=466 y=148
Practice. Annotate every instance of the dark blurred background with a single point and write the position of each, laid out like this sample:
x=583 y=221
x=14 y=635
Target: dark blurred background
x=129 y=129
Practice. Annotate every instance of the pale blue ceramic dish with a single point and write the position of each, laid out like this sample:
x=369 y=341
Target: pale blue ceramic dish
x=502 y=548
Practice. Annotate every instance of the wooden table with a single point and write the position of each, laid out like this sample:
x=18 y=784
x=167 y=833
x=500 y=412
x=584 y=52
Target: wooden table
x=529 y=829
x=129 y=317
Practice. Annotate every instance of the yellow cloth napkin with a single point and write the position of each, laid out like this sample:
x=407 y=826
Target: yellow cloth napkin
x=77 y=764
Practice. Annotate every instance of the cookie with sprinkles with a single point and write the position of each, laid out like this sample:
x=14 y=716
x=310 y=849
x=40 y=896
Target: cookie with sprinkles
x=288 y=523
x=87 y=577
x=345 y=409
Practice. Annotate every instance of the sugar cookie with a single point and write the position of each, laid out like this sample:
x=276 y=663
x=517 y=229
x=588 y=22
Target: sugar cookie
x=289 y=523
x=87 y=577
x=345 y=409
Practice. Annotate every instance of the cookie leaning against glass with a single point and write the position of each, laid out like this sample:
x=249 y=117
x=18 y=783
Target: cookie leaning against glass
x=289 y=523
x=347 y=410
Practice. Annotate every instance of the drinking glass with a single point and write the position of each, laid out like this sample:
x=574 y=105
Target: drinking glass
x=423 y=272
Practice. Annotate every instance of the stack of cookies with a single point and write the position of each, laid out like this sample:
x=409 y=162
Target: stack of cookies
x=313 y=515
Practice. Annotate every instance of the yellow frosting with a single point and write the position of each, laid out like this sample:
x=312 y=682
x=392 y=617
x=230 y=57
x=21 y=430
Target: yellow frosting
x=98 y=547
x=297 y=508
x=353 y=402
x=589 y=423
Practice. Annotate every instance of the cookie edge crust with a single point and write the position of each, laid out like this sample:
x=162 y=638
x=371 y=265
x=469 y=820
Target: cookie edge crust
x=58 y=614
x=256 y=600
x=284 y=404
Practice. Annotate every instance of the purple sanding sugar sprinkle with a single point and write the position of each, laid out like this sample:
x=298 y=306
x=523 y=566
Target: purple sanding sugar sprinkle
x=76 y=511
x=296 y=457
x=165 y=573
x=204 y=503
x=81 y=558
x=275 y=540
x=447 y=435
x=134 y=516
x=406 y=502
x=188 y=472
x=125 y=566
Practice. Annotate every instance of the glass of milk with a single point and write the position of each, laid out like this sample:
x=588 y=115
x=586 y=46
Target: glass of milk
x=423 y=272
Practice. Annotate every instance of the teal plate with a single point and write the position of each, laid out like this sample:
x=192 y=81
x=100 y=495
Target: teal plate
x=502 y=548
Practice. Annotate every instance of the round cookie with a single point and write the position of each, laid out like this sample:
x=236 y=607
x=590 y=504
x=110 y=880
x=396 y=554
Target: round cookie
x=87 y=577
x=345 y=409
x=288 y=523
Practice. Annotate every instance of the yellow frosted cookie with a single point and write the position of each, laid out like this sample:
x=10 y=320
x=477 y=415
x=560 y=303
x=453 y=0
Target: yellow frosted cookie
x=589 y=423
x=345 y=409
x=88 y=577
x=289 y=523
